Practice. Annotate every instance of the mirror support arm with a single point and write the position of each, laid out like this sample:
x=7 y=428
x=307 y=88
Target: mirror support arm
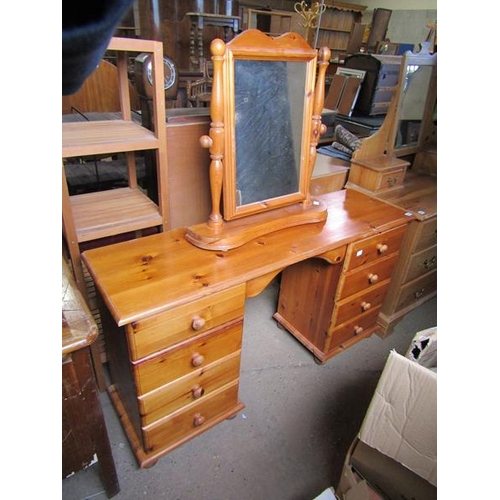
x=215 y=141
x=318 y=128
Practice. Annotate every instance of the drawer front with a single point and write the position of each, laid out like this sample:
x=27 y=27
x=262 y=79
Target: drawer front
x=353 y=328
x=373 y=248
x=392 y=179
x=417 y=290
x=360 y=303
x=187 y=358
x=366 y=277
x=182 y=424
x=196 y=386
x=184 y=322
x=421 y=263
x=428 y=234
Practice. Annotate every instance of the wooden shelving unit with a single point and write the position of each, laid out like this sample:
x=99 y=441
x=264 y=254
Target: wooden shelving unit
x=91 y=216
x=336 y=26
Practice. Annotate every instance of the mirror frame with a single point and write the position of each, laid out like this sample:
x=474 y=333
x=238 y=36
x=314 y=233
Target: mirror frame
x=253 y=45
x=421 y=58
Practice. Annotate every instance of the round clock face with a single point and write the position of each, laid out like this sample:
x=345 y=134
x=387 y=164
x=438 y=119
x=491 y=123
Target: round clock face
x=169 y=72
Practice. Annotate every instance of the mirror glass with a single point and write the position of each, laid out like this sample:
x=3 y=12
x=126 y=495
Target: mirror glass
x=268 y=128
x=267 y=99
x=413 y=104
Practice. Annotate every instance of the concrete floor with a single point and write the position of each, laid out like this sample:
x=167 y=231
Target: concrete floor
x=289 y=442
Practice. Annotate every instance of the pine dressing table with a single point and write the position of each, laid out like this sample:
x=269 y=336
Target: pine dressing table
x=172 y=304
x=172 y=313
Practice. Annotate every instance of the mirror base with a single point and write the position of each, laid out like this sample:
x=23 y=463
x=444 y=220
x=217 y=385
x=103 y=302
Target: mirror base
x=237 y=232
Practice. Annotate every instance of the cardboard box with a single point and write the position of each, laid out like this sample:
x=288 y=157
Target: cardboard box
x=395 y=452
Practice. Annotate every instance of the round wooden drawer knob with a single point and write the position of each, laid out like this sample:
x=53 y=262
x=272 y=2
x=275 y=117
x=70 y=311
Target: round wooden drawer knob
x=198 y=323
x=373 y=278
x=382 y=248
x=197 y=391
x=365 y=306
x=197 y=359
x=358 y=330
x=198 y=419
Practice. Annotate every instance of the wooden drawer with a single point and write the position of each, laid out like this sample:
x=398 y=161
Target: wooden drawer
x=417 y=290
x=366 y=277
x=392 y=179
x=353 y=328
x=187 y=358
x=427 y=234
x=370 y=249
x=421 y=263
x=190 y=420
x=195 y=386
x=355 y=305
x=184 y=322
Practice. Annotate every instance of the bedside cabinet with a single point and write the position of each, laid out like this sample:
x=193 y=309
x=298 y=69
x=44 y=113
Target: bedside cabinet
x=331 y=304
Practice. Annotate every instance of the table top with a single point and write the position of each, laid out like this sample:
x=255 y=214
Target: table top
x=149 y=275
x=79 y=328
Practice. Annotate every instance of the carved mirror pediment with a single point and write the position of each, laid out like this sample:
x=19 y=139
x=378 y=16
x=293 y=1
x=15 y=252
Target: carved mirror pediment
x=266 y=123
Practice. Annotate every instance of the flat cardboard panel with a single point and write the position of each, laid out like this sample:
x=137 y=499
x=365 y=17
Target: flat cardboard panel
x=401 y=421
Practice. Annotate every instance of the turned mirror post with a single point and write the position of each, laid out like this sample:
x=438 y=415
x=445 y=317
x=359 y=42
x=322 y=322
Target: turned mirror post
x=215 y=141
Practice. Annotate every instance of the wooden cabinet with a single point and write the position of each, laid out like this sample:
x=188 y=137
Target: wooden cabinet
x=172 y=313
x=379 y=83
x=271 y=22
x=84 y=435
x=337 y=24
x=181 y=374
x=415 y=274
x=331 y=304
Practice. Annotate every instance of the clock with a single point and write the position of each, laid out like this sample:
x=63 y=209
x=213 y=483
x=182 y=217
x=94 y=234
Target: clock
x=144 y=76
